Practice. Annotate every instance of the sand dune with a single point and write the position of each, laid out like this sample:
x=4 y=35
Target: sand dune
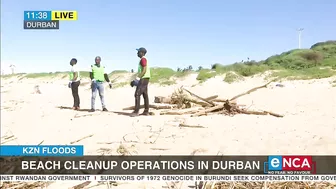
x=309 y=125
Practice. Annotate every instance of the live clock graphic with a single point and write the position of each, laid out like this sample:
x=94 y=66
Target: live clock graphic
x=46 y=19
x=37 y=15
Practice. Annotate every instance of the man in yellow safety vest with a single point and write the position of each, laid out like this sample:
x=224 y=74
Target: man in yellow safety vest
x=98 y=75
x=141 y=82
x=74 y=83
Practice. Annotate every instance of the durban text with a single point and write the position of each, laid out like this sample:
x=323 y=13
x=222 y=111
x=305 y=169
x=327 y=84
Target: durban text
x=236 y=165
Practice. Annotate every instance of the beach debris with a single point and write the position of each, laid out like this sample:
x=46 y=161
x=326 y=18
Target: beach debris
x=25 y=185
x=5 y=139
x=203 y=99
x=154 y=106
x=160 y=149
x=82 y=185
x=190 y=103
x=124 y=150
x=181 y=111
x=37 y=90
x=191 y=126
x=10 y=169
x=73 y=142
x=125 y=137
x=279 y=85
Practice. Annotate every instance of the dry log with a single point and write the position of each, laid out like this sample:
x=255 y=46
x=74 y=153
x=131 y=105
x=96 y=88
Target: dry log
x=219 y=100
x=218 y=107
x=154 y=106
x=212 y=97
x=204 y=112
x=170 y=100
x=274 y=114
x=204 y=104
x=201 y=113
x=177 y=113
x=205 y=100
x=252 y=112
x=251 y=90
x=186 y=99
x=180 y=112
x=7 y=137
x=191 y=126
x=259 y=113
x=162 y=99
x=225 y=112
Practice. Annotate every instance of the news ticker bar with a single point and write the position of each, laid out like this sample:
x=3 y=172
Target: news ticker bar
x=168 y=165
x=41 y=150
x=69 y=15
x=141 y=178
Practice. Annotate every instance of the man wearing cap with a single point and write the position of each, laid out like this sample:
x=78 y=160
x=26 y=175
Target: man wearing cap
x=74 y=83
x=141 y=82
x=98 y=75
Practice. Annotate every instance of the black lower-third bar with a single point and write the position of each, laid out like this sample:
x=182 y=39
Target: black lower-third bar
x=35 y=24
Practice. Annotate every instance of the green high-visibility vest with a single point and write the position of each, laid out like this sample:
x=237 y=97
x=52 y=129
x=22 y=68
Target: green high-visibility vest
x=98 y=73
x=148 y=73
x=72 y=75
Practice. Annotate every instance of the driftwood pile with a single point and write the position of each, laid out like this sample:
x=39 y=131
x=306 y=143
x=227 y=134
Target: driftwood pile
x=183 y=102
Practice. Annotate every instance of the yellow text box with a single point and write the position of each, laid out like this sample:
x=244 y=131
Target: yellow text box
x=64 y=15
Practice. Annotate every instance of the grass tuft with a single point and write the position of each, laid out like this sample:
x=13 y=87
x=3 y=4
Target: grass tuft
x=232 y=77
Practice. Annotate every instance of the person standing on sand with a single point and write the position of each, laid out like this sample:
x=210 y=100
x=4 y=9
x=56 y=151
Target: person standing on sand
x=98 y=75
x=141 y=83
x=74 y=83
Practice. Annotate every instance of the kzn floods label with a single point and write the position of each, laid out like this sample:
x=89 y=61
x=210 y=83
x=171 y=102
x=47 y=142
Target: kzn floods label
x=41 y=150
x=35 y=24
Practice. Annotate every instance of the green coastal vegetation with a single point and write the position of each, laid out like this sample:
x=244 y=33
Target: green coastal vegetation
x=317 y=62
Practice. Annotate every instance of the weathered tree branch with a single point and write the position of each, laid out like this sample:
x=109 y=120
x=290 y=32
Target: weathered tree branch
x=250 y=91
x=205 y=100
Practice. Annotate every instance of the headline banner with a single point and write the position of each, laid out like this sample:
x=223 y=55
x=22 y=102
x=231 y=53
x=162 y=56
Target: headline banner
x=168 y=165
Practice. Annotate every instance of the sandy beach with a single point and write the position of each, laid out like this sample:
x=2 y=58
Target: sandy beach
x=308 y=126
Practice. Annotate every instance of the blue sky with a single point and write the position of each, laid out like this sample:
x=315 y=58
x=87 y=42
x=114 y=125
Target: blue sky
x=176 y=33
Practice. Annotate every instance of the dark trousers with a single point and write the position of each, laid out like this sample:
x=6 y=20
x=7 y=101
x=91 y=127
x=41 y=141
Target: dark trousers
x=74 y=89
x=142 y=89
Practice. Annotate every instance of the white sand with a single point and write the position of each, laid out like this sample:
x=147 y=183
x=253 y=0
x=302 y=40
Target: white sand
x=309 y=125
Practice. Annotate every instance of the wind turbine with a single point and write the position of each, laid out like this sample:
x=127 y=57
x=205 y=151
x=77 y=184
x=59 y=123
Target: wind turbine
x=300 y=32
